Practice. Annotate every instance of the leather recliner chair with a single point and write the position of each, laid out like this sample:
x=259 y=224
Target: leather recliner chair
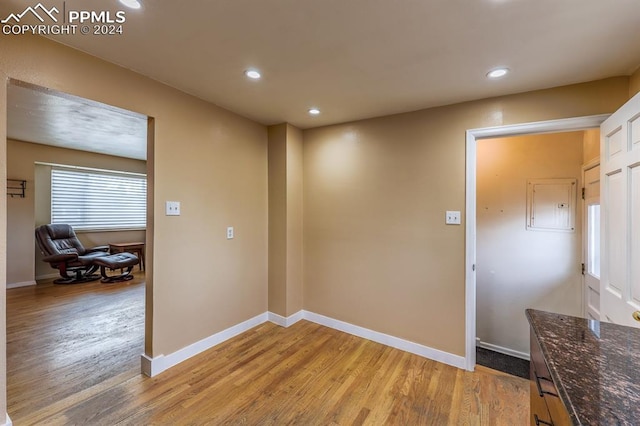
x=63 y=250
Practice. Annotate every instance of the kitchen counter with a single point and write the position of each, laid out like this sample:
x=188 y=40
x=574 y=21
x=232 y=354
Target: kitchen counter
x=595 y=367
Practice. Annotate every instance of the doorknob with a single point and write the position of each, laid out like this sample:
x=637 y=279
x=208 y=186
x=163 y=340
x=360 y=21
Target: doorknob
x=636 y=315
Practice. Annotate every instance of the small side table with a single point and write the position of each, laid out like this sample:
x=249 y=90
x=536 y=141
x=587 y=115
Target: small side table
x=135 y=248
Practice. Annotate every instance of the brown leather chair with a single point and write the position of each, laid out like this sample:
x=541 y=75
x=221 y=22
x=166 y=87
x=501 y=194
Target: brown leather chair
x=63 y=250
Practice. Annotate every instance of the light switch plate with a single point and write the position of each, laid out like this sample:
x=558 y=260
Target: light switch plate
x=452 y=217
x=229 y=232
x=172 y=208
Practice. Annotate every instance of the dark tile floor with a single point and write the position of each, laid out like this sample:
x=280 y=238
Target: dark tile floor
x=501 y=362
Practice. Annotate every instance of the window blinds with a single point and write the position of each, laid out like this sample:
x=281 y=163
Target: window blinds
x=90 y=200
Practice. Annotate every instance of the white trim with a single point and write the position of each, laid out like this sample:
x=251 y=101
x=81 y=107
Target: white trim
x=591 y=164
x=583 y=282
x=21 y=284
x=147 y=365
x=562 y=125
x=470 y=254
x=277 y=319
x=550 y=126
x=385 y=339
x=503 y=350
x=154 y=366
x=7 y=421
x=285 y=322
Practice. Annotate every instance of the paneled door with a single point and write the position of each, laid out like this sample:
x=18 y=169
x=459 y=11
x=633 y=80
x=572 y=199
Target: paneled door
x=620 y=227
x=591 y=265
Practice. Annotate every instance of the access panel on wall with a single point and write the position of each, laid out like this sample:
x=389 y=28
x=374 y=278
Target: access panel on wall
x=551 y=204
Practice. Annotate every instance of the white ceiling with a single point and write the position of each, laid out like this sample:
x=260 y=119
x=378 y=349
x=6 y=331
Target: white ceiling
x=47 y=117
x=356 y=59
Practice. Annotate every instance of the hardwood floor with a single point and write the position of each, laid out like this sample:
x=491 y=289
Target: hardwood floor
x=65 y=339
x=85 y=371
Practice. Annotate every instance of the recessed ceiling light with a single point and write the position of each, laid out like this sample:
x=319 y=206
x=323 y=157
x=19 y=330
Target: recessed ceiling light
x=253 y=74
x=314 y=111
x=498 y=72
x=132 y=4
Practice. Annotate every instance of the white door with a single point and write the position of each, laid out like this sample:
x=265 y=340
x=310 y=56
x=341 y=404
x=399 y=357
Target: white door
x=620 y=196
x=591 y=235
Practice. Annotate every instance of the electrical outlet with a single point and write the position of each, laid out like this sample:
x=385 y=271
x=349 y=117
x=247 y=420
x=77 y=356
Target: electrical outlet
x=452 y=217
x=229 y=232
x=172 y=208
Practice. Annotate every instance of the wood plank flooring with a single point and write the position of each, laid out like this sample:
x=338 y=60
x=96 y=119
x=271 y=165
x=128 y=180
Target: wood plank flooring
x=65 y=339
x=85 y=370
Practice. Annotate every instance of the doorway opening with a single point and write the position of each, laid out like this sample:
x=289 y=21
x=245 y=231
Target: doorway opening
x=67 y=339
x=473 y=136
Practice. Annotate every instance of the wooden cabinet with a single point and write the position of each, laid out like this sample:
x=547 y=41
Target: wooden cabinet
x=546 y=406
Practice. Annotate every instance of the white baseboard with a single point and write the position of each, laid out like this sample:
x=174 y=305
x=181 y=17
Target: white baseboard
x=22 y=284
x=503 y=350
x=285 y=322
x=147 y=365
x=154 y=366
x=385 y=339
x=8 y=421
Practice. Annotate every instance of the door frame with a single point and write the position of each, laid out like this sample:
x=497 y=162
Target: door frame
x=472 y=136
x=585 y=167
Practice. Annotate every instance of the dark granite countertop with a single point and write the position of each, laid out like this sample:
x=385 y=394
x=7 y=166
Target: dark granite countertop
x=595 y=366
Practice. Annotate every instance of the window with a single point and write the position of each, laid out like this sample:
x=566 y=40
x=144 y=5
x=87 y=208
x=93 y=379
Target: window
x=98 y=200
x=593 y=240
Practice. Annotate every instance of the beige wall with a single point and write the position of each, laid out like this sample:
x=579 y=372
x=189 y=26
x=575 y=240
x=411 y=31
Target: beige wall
x=213 y=161
x=591 y=145
x=520 y=268
x=278 y=219
x=24 y=214
x=634 y=83
x=377 y=252
x=285 y=219
x=294 y=220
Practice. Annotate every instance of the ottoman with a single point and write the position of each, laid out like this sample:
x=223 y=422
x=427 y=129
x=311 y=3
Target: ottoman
x=120 y=261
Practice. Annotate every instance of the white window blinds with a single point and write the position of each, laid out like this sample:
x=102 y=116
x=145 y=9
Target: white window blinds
x=92 y=200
